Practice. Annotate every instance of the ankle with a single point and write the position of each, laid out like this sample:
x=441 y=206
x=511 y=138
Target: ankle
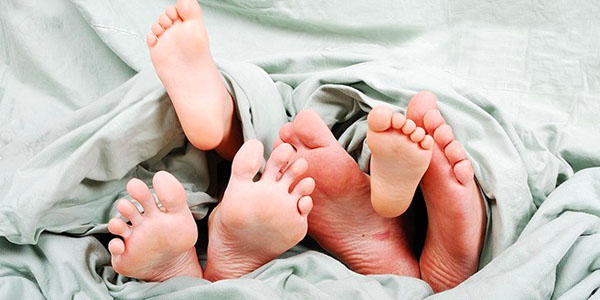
x=232 y=131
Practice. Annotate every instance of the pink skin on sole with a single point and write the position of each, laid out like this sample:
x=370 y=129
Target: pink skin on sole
x=258 y=220
x=343 y=220
x=455 y=209
x=180 y=53
x=400 y=154
x=159 y=244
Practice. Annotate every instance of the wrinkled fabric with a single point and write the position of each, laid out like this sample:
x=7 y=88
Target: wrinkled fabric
x=82 y=112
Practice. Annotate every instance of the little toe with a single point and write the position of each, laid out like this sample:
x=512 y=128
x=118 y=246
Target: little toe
x=409 y=127
x=139 y=191
x=443 y=135
x=305 y=187
x=398 y=120
x=380 y=118
x=171 y=12
x=165 y=21
x=170 y=191
x=157 y=29
x=118 y=227
x=305 y=205
x=417 y=135
x=278 y=161
x=151 y=39
x=455 y=152
x=188 y=9
x=432 y=120
x=297 y=168
x=247 y=160
x=116 y=246
x=427 y=142
x=463 y=171
x=128 y=210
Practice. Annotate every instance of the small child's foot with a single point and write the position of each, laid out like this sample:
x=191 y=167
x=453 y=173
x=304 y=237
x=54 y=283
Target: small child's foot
x=258 y=220
x=181 y=56
x=400 y=154
x=455 y=209
x=159 y=244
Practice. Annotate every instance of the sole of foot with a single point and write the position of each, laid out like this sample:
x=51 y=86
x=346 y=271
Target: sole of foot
x=400 y=155
x=159 y=243
x=258 y=220
x=455 y=208
x=180 y=53
x=343 y=221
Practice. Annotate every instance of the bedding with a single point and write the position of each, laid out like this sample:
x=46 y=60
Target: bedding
x=82 y=112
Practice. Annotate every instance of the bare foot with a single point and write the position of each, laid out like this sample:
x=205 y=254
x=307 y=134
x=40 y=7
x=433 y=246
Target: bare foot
x=258 y=221
x=455 y=209
x=400 y=154
x=159 y=244
x=181 y=56
x=343 y=220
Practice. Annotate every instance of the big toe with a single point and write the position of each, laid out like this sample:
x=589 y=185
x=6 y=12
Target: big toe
x=188 y=9
x=247 y=160
x=169 y=190
x=312 y=130
x=380 y=118
x=419 y=105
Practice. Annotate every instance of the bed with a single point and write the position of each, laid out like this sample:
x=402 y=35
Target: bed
x=82 y=111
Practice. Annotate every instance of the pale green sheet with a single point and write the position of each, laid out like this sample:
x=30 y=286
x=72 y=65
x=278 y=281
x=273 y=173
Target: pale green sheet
x=81 y=112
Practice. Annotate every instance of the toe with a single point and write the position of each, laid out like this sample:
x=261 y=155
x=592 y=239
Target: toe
x=427 y=142
x=305 y=205
x=278 y=161
x=432 y=120
x=409 y=127
x=455 y=152
x=139 y=191
x=417 y=135
x=380 y=118
x=463 y=171
x=118 y=227
x=128 y=210
x=398 y=120
x=157 y=29
x=294 y=171
x=188 y=9
x=305 y=187
x=277 y=142
x=287 y=135
x=312 y=130
x=171 y=12
x=420 y=104
x=443 y=135
x=116 y=246
x=165 y=21
x=151 y=39
x=247 y=160
x=170 y=191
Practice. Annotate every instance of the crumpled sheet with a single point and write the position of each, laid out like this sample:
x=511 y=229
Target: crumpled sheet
x=81 y=112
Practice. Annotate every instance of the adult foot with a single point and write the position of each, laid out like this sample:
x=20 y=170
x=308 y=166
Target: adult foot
x=159 y=243
x=258 y=221
x=343 y=220
x=400 y=154
x=455 y=209
x=181 y=56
